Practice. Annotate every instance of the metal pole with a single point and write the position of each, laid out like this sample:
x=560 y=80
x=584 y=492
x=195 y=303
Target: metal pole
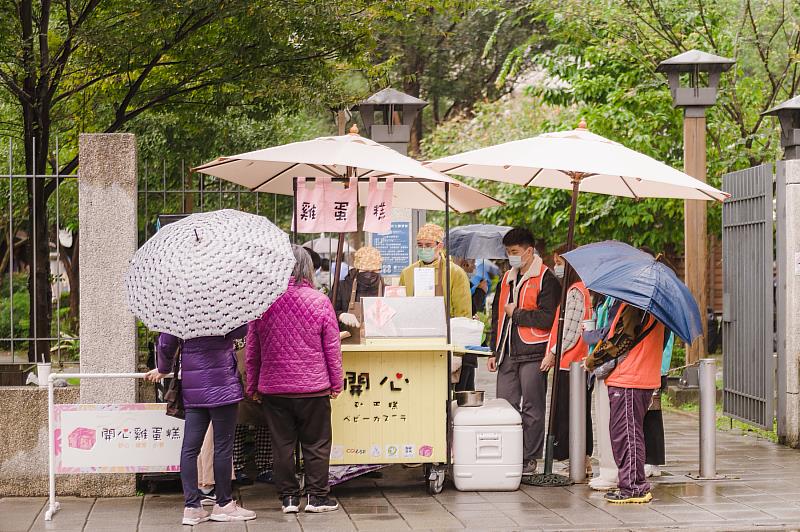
x=447 y=257
x=577 y=422
x=51 y=447
x=708 y=418
x=294 y=210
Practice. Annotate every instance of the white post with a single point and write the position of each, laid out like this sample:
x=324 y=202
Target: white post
x=51 y=447
x=708 y=418
x=577 y=422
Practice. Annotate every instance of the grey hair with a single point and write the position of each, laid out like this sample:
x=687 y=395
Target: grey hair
x=303 y=266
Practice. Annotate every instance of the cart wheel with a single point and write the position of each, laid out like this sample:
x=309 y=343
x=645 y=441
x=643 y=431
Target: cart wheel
x=436 y=480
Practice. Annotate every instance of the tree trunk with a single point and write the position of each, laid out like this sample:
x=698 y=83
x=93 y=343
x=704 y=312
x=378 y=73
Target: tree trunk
x=37 y=126
x=39 y=279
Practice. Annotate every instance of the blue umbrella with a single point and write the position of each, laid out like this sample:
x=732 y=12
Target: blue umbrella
x=628 y=274
x=479 y=241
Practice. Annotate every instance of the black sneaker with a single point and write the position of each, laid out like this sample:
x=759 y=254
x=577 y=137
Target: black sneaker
x=291 y=505
x=617 y=497
x=321 y=504
x=242 y=479
x=208 y=498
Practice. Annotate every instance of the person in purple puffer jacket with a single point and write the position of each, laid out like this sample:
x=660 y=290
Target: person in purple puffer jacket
x=294 y=367
x=211 y=393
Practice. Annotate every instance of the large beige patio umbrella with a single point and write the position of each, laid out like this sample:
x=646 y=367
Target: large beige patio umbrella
x=578 y=157
x=580 y=161
x=416 y=186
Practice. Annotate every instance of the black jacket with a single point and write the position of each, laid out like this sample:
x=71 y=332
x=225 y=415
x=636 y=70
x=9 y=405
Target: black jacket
x=346 y=287
x=542 y=318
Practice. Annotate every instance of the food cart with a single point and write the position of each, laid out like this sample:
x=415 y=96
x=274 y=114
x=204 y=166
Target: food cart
x=345 y=171
x=394 y=405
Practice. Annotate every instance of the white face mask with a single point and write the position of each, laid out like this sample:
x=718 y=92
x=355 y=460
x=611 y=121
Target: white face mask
x=515 y=261
x=558 y=269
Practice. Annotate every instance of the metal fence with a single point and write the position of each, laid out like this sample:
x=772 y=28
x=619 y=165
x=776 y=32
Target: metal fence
x=748 y=300
x=173 y=189
x=17 y=237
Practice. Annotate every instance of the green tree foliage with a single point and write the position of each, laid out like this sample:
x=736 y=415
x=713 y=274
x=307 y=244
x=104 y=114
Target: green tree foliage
x=452 y=52
x=86 y=65
x=602 y=68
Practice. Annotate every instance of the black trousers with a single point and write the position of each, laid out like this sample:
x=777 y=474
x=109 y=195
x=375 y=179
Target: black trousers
x=466 y=382
x=561 y=445
x=303 y=419
x=654 y=448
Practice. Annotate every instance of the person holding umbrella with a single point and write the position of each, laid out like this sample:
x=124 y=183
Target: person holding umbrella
x=523 y=312
x=211 y=394
x=653 y=301
x=199 y=281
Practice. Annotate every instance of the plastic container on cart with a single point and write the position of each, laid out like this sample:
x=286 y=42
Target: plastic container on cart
x=487 y=447
x=404 y=317
x=466 y=331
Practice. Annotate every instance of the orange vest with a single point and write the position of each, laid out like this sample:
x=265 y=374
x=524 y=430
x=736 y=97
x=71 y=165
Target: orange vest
x=527 y=297
x=642 y=367
x=580 y=350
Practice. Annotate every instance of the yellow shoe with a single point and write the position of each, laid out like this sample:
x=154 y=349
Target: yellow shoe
x=616 y=497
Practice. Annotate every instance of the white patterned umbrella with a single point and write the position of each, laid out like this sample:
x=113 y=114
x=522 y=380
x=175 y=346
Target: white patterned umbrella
x=209 y=273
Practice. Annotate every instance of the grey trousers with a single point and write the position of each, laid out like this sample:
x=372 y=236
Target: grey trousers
x=524 y=385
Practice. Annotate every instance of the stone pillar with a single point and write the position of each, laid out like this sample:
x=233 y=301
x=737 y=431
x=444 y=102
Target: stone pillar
x=107 y=219
x=789 y=304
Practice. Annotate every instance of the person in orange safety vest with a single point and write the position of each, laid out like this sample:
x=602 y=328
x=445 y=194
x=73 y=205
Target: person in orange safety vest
x=523 y=313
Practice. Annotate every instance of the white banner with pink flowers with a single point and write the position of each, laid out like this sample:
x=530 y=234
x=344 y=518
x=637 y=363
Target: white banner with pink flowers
x=118 y=438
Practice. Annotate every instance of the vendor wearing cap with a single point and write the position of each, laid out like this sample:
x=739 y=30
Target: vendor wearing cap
x=430 y=250
x=363 y=280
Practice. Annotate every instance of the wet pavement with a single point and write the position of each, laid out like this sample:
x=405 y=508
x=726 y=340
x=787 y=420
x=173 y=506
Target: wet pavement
x=762 y=492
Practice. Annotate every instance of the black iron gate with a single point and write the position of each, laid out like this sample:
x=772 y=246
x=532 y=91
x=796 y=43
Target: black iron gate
x=748 y=305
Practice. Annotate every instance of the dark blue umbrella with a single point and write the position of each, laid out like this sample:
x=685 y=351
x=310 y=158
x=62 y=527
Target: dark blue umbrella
x=479 y=241
x=635 y=277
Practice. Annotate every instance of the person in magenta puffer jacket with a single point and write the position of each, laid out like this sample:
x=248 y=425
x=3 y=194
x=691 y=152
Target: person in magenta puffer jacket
x=294 y=367
x=211 y=392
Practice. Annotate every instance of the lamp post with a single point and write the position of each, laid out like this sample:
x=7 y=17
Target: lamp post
x=388 y=116
x=398 y=111
x=703 y=71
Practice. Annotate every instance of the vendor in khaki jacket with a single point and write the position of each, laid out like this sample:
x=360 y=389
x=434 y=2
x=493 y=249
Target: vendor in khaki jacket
x=523 y=312
x=636 y=341
x=430 y=249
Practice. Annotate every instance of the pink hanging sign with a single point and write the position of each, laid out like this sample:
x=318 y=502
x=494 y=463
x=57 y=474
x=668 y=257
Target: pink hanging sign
x=340 y=206
x=378 y=214
x=310 y=207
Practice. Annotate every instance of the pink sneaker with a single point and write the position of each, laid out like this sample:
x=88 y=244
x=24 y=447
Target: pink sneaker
x=231 y=512
x=194 y=516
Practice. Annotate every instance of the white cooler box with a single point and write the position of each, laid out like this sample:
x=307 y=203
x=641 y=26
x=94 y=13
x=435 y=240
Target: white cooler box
x=487 y=447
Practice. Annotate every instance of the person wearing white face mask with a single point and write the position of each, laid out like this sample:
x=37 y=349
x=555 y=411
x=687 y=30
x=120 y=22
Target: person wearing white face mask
x=430 y=250
x=523 y=313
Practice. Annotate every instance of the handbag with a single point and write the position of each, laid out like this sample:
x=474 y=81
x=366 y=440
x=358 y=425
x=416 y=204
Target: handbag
x=601 y=363
x=174 y=394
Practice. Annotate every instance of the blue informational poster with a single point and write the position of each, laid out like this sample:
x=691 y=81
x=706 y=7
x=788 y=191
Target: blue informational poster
x=395 y=248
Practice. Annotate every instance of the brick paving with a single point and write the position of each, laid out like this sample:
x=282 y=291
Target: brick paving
x=765 y=495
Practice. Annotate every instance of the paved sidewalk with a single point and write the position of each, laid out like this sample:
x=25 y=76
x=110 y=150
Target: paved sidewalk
x=767 y=496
